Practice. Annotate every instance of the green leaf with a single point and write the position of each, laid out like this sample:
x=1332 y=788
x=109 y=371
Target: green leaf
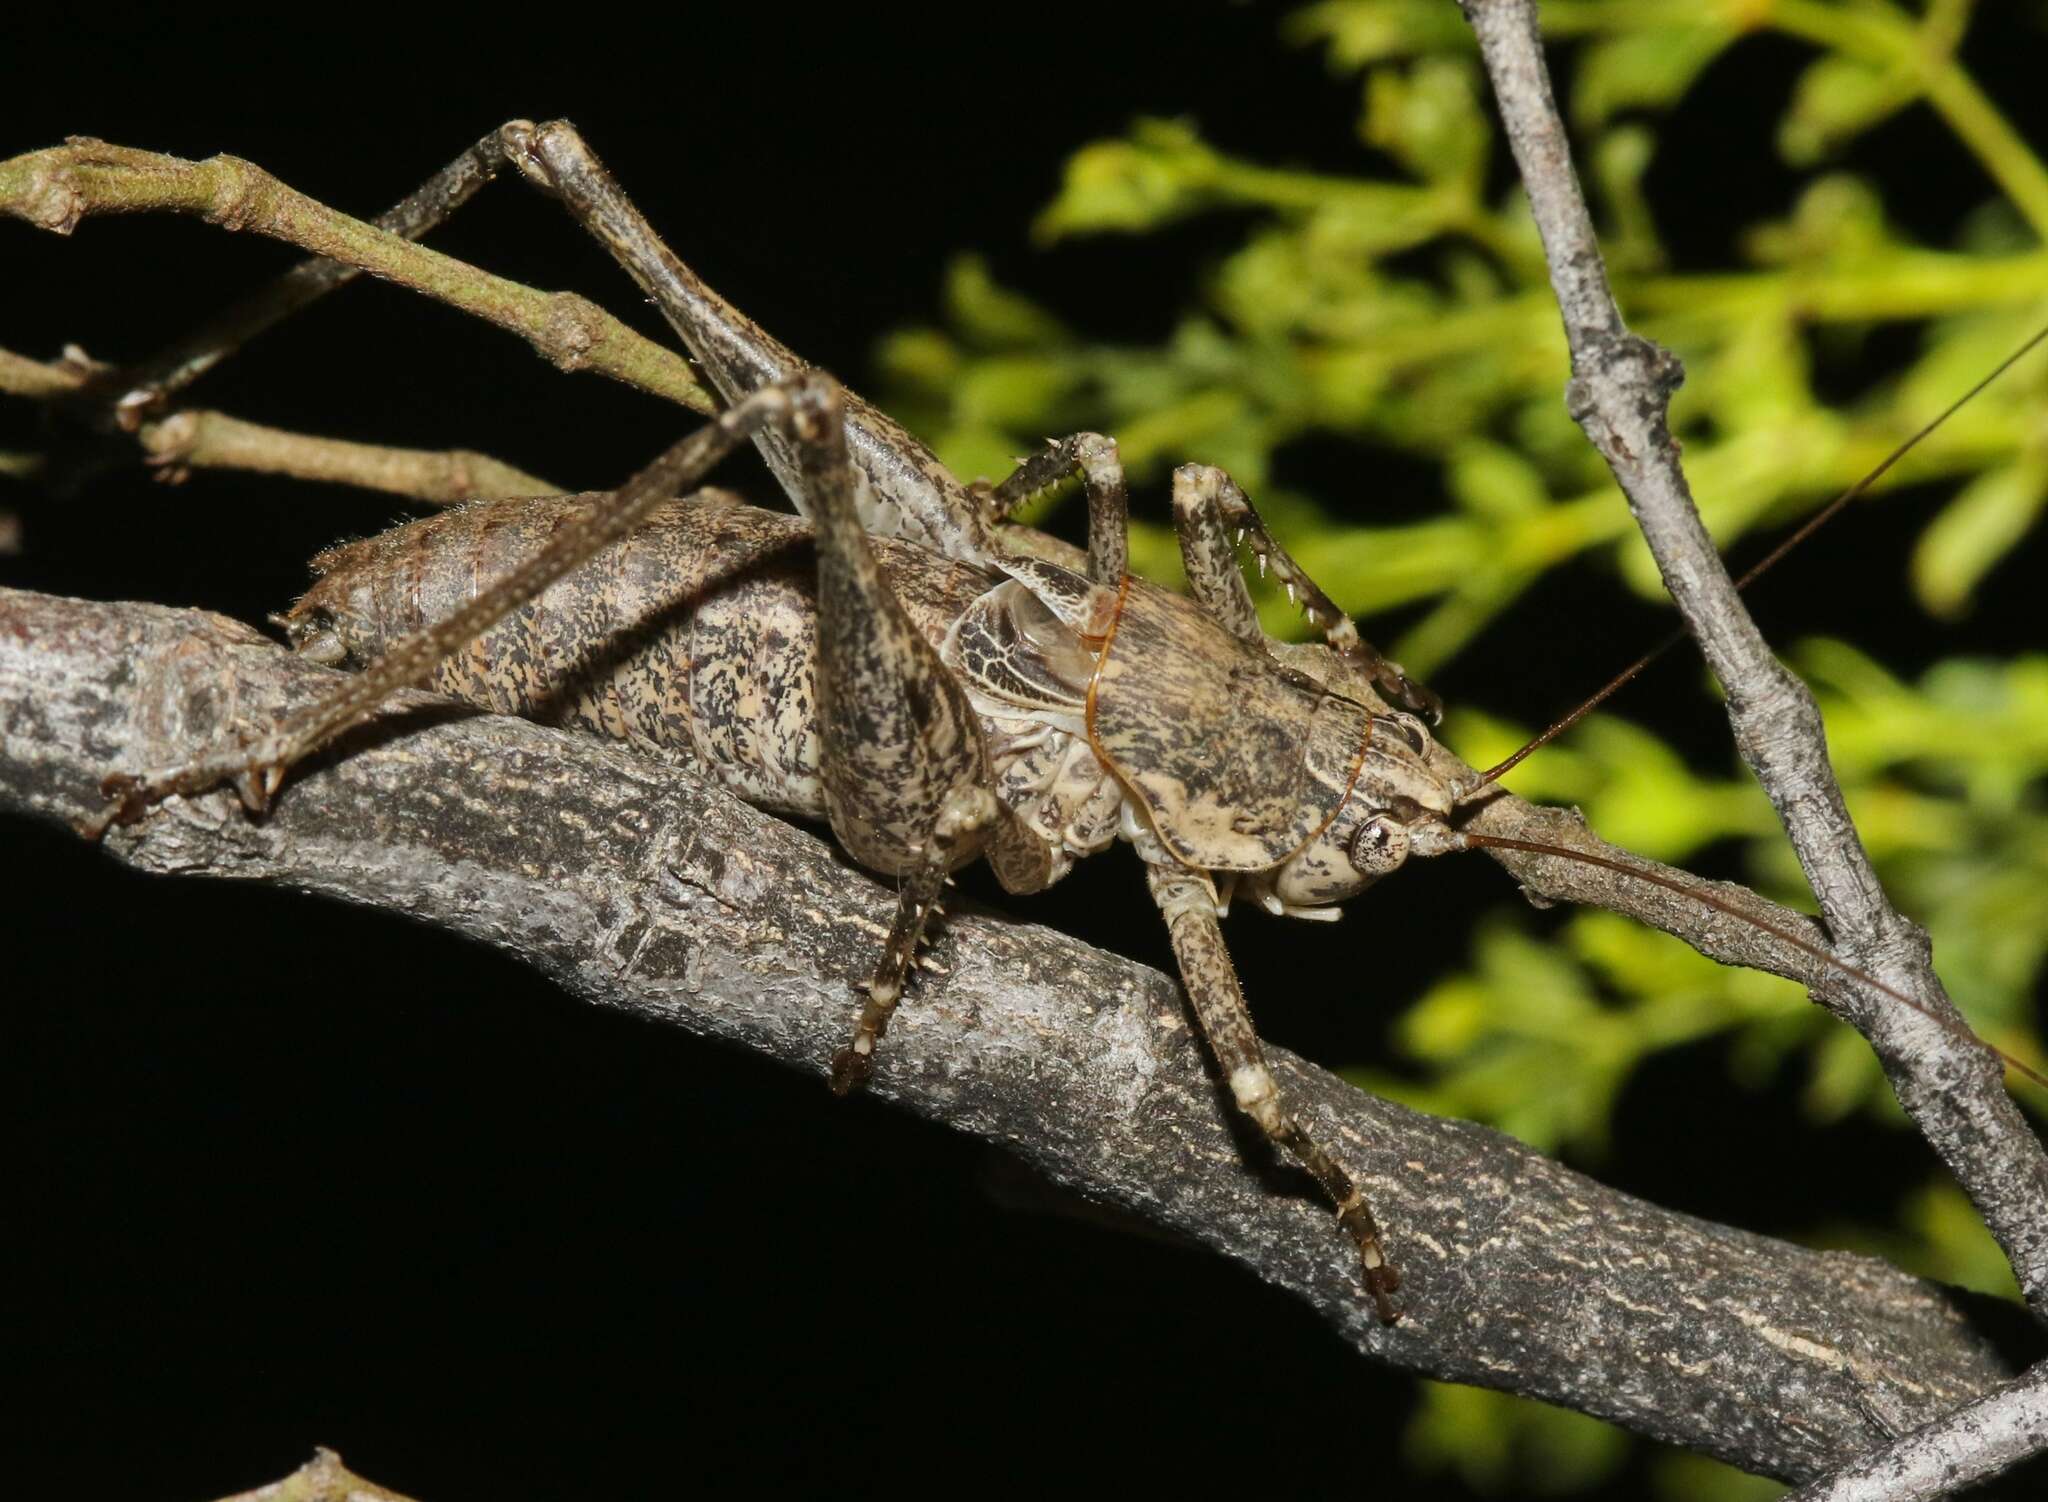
x=1620 y=159
x=1956 y=1246
x=1682 y=1477
x=993 y=316
x=1494 y=482
x=1837 y=98
x=1646 y=69
x=1974 y=531
x=1496 y=1442
x=1124 y=187
x=1356 y=33
x=1838 y=223
x=1429 y=119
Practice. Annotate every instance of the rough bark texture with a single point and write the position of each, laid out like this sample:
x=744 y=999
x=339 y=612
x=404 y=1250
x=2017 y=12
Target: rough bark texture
x=1978 y=1440
x=640 y=887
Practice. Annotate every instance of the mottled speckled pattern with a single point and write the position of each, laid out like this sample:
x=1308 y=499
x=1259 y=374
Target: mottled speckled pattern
x=696 y=640
x=1214 y=737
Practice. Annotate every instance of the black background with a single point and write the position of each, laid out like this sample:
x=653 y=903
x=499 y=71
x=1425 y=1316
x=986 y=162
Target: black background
x=284 y=1173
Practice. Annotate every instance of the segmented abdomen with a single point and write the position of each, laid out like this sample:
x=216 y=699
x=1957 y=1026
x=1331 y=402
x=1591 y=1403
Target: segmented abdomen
x=695 y=639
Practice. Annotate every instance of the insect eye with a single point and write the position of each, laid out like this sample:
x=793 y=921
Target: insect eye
x=1380 y=845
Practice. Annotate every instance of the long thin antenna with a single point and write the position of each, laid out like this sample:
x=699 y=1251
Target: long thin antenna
x=1812 y=525
x=1804 y=946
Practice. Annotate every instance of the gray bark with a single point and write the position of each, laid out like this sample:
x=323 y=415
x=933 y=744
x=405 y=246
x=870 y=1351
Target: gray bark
x=1978 y=1440
x=642 y=887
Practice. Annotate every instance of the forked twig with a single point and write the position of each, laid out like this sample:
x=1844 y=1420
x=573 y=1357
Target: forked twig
x=57 y=188
x=1619 y=392
x=1977 y=1441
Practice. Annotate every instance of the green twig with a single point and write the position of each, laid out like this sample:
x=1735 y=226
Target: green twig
x=56 y=188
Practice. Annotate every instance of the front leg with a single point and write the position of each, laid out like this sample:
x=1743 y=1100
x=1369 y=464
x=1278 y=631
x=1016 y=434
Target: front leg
x=1213 y=514
x=1208 y=553
x=1109 y=502
x=1188 y=903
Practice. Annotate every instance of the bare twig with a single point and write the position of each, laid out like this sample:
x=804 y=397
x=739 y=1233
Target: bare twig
x=214 y=440
x=322 y=1479
x=639 y=886
x=1974 y=1443
x=56 y=188
x=197 y=439
x=21 y=376
x=150 y=382
x=1619 y=392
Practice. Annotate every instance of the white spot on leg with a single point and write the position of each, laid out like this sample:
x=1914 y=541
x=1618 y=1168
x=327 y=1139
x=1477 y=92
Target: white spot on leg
x=1252 y=1085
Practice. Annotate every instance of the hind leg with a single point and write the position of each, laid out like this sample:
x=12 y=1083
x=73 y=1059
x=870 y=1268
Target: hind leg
x=901 y=489
x=907 y=782
x=257 y=767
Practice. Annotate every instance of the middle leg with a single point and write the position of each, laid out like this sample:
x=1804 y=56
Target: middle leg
x=1109 y=502
x=1188 y=903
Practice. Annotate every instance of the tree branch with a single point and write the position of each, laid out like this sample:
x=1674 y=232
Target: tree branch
x=1974 y=1443
x=1619 y=392
x=640 y=886
x=192 y=439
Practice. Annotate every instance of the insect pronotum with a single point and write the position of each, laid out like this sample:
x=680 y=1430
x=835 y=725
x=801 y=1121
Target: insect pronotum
x=1255 y=986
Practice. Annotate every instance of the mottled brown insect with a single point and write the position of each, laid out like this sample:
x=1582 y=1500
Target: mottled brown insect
x=936 y=683
x=901 y=661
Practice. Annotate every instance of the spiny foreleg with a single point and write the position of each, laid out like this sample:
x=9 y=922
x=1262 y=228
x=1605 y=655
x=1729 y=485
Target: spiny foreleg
x=1109 y=503
x=1208 y=554
x=1219 y=514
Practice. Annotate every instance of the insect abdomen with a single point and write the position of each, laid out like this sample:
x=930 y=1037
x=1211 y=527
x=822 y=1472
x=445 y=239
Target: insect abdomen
x=693 y=640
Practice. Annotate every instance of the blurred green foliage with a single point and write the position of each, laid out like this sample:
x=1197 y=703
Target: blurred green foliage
x=1408 y=309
